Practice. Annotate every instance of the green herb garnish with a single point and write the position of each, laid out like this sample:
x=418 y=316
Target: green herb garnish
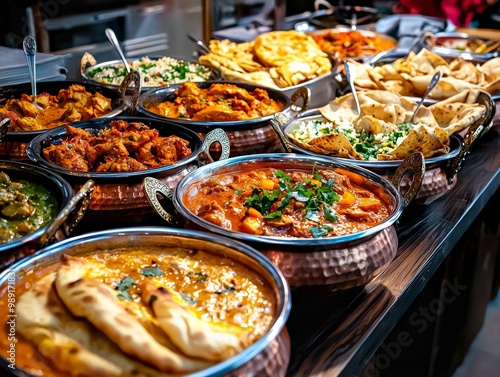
x=152 y=271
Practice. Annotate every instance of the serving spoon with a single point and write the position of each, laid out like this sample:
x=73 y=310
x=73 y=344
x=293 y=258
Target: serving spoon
x=351 y=84
x=432 y=84
x=29 y=47
x=114 y=41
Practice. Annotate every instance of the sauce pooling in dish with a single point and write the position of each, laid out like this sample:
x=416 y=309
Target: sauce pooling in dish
x=288 y=203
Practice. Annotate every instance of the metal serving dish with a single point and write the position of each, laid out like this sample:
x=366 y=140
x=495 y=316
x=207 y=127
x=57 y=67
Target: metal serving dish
x=15 y=143
x=334 y=262
x=70 y=211
x=440 y=171
x=245 y=136
x=353 y=17
x=268 y=357
x=365 y=33
x=388 y=57
x=453 y=45
x=88 y=63
x=119 y=196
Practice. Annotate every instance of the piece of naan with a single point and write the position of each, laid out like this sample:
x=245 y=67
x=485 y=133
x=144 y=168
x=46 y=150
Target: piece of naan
x=96 y=302
x=193 y=336
x=70 y=344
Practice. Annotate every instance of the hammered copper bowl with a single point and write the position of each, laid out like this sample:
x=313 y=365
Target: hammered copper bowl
x=89 y=63
x=268 y=357
x=15 y=143
x=119 y=197
x=67 y=202
x=333 y=262
x=245 y=136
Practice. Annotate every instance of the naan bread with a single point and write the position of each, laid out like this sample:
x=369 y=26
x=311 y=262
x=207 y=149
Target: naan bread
x=71 y=345
x=429 y=141
x=411 y=76
x=336 y=144
x=278 y=59
x=381 y=114
x=193 y=336
x=96 y=302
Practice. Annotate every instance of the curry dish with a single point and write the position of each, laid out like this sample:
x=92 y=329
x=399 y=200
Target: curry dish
x=69 y=105
x=217 y=103
x=351 y=44
x=24 y=207
x=291 y=203
x=136 y=311
x=123 y=147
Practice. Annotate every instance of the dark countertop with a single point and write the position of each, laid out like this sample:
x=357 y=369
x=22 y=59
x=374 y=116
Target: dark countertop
x=336 y=336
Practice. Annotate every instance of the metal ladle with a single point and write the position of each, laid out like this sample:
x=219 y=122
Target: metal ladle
x=29 y=47
x=351 y=84
x=114 y=41
x=432 y=84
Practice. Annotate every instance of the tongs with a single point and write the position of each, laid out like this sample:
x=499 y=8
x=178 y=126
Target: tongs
x=202 y=45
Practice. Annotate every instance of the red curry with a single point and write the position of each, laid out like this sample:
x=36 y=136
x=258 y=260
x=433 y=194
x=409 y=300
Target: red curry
x=290 y=203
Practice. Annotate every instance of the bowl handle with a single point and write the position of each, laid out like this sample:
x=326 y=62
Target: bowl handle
x=282 y=119
x=4 y=127
x=217 y=135
x=87 y=61
x=413 y=164
x=479 y=128
x=153 y=187
x=76 y=207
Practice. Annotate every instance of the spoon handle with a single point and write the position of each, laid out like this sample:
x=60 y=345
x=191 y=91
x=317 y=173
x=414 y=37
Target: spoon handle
x=432 y=84
x=29 y=46
x=351 y=84
x=114 y=41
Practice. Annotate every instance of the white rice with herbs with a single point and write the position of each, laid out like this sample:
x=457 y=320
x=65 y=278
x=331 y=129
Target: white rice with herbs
x=154 y=72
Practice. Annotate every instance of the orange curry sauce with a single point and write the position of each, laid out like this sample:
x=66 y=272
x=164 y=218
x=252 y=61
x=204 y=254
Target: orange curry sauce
x=289 y=203
x=217 y=289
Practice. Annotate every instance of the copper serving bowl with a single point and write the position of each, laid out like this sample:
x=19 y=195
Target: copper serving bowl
x=245 y=136
x=334 y=263
x=15 y=143
x=89 y=63
x=70 y=211
x=440 y=171
x=267 y=357
x=119 y=196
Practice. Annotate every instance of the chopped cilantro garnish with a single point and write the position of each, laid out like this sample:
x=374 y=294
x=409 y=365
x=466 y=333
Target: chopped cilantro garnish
x=191 y=301
x=126 y=283
x=152 y=271
x=124 y=296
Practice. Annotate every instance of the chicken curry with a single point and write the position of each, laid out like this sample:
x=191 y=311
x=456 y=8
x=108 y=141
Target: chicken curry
x=123 y=147
x=217 y=103
x=289 y=203
x=69 y=105
x=24 y=207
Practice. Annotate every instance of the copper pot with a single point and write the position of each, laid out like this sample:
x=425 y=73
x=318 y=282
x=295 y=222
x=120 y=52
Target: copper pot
x=15 y=143
x=70 y=211
x=333 y=262
x=88 y=63
x=440 y=171
x=246 y=136
x=268 y=357
x=119 y=196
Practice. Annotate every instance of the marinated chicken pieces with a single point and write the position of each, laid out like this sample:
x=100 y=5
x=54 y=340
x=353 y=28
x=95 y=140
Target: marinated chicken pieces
x=124 y=147
x=70 y=105
x=218 y=103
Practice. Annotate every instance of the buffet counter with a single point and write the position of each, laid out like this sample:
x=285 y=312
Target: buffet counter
x=341 y=335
